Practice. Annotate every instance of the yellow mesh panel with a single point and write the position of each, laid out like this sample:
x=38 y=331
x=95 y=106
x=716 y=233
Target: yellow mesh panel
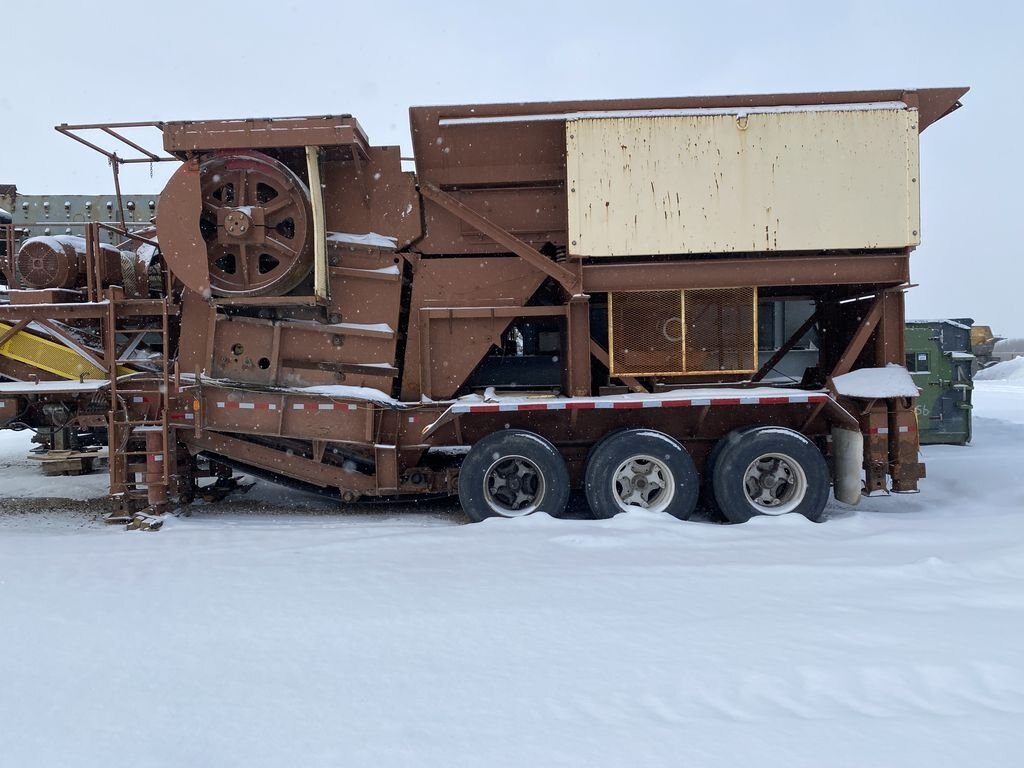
x=720 y=330
x=645 y=332
x=672 y=333
x=48 y=355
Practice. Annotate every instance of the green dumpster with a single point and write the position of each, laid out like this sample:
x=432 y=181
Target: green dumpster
x=939 y=360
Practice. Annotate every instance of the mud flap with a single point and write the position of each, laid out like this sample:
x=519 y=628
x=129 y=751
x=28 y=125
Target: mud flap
x=847 y=458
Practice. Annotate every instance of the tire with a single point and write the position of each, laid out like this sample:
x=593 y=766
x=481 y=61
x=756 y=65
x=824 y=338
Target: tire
x=709 y=504
x=604 y=439
x=590 y=454
x=513 y=473
x=641 y=469
x=769 y=471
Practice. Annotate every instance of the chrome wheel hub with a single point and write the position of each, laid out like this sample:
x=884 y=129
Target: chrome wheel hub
x=643 y=481
x=775 y=483
x=513 y=486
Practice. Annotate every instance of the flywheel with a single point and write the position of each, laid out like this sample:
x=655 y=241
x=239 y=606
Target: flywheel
x=256 y=222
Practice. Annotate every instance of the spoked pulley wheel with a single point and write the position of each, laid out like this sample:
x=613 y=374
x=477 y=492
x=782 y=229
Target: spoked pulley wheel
x=256 y=222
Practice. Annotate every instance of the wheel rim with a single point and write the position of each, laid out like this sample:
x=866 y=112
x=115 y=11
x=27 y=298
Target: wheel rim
x=775 y=484
x=643 y=482
x=514 y=486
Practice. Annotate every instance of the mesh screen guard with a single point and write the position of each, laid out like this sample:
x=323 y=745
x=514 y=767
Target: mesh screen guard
x=674 y=333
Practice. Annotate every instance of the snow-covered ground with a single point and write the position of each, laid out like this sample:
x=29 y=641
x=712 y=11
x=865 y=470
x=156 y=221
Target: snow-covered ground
x=891 y=635
x=1007 y=371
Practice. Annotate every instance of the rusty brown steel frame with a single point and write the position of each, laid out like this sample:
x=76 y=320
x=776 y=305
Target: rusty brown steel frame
x=487 y=235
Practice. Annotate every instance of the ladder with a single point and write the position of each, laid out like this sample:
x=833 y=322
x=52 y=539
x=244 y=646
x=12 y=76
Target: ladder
x=138 y=432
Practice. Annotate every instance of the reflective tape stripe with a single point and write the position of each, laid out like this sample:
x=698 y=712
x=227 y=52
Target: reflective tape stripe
x=590 y=403
x=904 y=428
x=248 y=406
x=324 y=406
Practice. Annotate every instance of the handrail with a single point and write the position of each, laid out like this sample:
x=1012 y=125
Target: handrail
x=144 y=155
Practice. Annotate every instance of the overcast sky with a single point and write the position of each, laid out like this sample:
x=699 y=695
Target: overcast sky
x=76 y=62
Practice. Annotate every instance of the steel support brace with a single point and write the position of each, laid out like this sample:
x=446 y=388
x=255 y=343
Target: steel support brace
x=60 y=312
x=568 y=280
x=386 y=459
x=860 y=338
x=577 y=358
x=822 y=269
x=874 y=424
x=782 y=351
x=602 y=357
x=12 y=331
x=7 y=233
x=904 y=468
x=891 y=341
x=280 y=462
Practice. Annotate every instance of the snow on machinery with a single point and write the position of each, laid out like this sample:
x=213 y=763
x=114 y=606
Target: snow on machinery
x=560 y=295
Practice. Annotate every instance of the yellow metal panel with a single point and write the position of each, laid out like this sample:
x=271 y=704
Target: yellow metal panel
x=316 y=196
x=50 y=356
x=726 y=183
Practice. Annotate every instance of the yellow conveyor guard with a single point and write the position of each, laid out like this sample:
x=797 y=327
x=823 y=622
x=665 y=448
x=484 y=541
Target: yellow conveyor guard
x=50 y=356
